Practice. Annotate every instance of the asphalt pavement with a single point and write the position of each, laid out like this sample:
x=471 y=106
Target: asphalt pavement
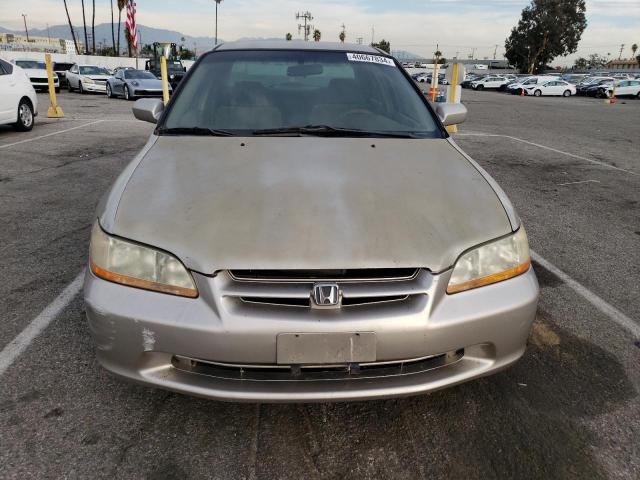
x=568 y=409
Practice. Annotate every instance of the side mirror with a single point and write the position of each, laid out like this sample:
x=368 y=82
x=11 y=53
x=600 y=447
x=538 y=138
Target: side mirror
x=451 y=113
x=148 y=109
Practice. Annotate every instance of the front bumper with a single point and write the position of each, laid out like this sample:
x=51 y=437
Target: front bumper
x=142 y=335
x=95 y=87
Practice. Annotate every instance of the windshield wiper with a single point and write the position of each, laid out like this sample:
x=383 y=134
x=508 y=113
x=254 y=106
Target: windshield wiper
x=195 y=131
x=329 y=131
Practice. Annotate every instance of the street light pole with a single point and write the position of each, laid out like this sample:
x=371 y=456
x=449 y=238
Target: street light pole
x=24 y=17
x=217 y=2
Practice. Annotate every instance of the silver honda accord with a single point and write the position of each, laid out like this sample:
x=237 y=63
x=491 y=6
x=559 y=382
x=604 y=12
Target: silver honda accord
x=301 y=227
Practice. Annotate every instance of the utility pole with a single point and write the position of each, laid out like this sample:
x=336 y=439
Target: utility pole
x=48 y=33
x=373 y=32
x=217 y=2
x=495 y=51
x=24 y=17
x=306 y=26
x=473 y=53
x=621 y=49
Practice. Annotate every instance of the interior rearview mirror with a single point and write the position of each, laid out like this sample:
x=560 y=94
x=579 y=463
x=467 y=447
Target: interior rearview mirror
x=451 y=113
x=148 y=109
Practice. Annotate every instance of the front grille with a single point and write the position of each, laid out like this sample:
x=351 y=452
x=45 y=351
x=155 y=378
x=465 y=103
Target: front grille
x=274 y=372
x=39 y=80
x=101 y=82
x=293 y=288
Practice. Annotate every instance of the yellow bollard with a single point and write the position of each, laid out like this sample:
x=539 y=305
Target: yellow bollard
x=54 y=110
x=165 y=79
x=452 y=94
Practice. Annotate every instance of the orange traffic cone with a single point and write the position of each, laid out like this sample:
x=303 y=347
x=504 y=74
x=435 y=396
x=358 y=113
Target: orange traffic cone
x=522 y=92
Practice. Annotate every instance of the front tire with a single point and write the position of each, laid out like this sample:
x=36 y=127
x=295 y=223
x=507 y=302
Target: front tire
x=109 y=92
x=80 y=89
x=537 y=93
x=566 y=93
x=25 y=116
x=480 y=87
x=127 y=93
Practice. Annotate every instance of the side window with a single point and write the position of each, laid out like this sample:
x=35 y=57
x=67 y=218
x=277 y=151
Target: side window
x=5 y=68
x=74 y=69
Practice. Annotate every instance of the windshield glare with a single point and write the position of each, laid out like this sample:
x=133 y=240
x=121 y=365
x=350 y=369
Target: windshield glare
x=31 y=64
x=90 y=70
x=138 y=75
x=245 y=91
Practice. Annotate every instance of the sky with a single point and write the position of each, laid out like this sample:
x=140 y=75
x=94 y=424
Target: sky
x=456 y=26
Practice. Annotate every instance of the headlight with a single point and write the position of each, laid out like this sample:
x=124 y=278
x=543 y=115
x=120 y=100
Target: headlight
x=88 y=80
x=135 y=84
x=135 y=265
x=172 y=76
x=490 y=263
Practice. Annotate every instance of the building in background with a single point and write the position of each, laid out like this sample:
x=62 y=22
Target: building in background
x=624 y=64
x=19 y=42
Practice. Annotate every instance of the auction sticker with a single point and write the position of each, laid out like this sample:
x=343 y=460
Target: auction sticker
x=363 y=57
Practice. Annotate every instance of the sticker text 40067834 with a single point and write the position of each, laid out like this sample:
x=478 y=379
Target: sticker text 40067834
x=363 y=57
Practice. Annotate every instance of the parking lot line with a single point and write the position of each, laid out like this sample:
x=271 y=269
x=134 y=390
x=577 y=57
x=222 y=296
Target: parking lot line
x=20 y=343
x=545 y=147
x=49 y=134
x=609 y=310
x=12 y=351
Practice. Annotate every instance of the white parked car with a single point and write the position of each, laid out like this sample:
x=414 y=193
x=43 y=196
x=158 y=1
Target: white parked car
x=527 y=82
x=37 y=73
x=489 y=82
x=87 y=78
x=553 y=87
x=18 y=99
x=625 y=88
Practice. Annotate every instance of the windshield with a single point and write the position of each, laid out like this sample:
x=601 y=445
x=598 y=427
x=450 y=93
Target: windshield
x=92 y=70
x=138 y=75
x=245 y=91
x=31 y=64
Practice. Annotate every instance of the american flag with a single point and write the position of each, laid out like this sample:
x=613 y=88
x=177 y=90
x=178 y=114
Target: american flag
x=131 y=24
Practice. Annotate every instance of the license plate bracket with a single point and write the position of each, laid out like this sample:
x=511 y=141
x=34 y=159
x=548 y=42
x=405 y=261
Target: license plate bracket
x=325 y=348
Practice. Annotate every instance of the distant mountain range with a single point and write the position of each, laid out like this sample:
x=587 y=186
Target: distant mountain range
x=148 y=35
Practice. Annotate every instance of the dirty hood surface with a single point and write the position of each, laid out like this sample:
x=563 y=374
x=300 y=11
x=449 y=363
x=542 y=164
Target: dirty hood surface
x=308 y=203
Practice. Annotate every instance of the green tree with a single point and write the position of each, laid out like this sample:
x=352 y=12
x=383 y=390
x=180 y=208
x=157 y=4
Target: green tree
x=288 y=37
x=147 y=50
x=634 y=49
x=581 y=63
x=342 y=36
x=547 y=29
x=596 y=61
x=186 y=54
x=316 y=35
x=382 y=45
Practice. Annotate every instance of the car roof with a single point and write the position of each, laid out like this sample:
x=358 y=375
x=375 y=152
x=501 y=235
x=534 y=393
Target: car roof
x=297 y=45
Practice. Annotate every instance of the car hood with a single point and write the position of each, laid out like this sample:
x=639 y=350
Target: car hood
x=147 y=83
x=305 y=203
x=97 y=77
x=35 y=72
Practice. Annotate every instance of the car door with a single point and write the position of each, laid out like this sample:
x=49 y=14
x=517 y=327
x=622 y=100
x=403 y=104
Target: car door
x=73 y=76
x=117 y=82
x=7 y=93
x=556 y=87
x=623 y=88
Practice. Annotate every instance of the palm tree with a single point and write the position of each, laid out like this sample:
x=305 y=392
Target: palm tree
x=93 y=27
x=288 y=37
x=84 y=22
x=316 y=35
x=73 y=34
x=634 y=48
x=342 y=36
x=113 y=33
x=121 y=5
